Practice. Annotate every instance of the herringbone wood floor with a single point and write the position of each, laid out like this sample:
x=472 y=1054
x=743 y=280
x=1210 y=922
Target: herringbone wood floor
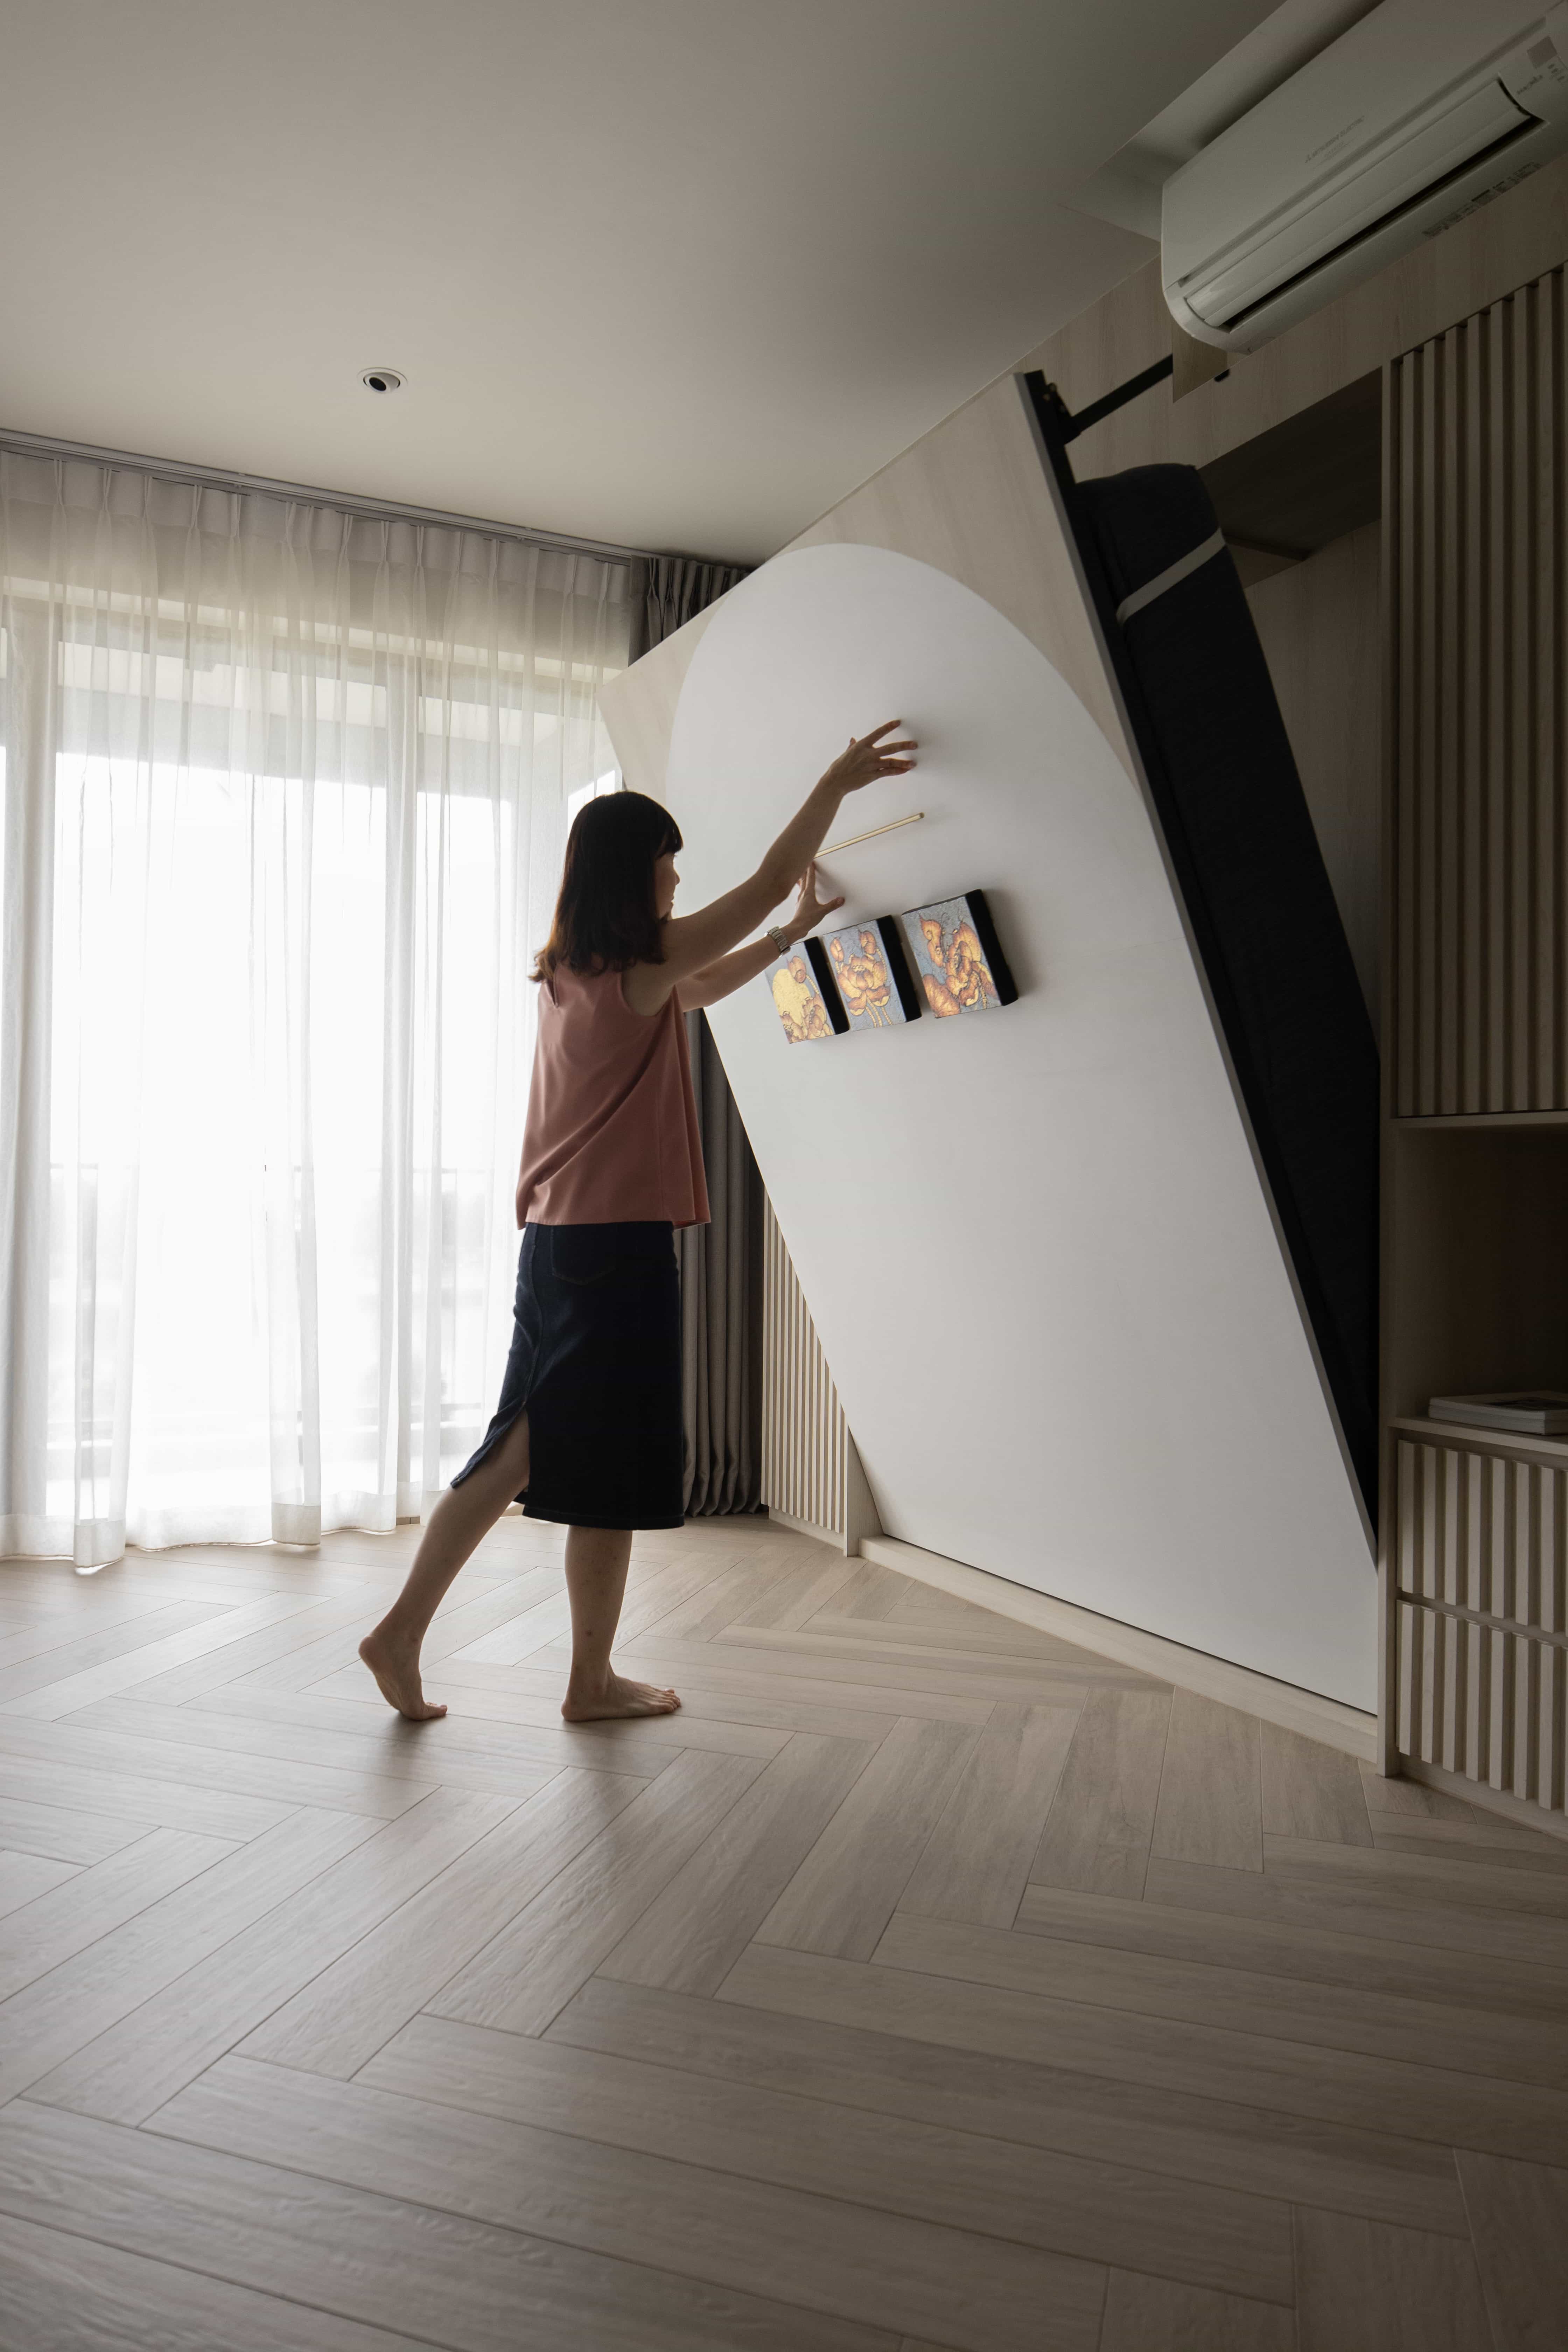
x=926 y=1981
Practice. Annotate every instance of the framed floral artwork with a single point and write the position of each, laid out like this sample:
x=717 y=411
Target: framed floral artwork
x=804 y=994
x=957 y=957
x=872 y=974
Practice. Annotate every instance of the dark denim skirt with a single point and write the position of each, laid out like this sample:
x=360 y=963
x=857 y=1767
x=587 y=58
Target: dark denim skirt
x=595 y=1364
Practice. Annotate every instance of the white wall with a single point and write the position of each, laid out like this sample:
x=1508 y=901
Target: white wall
x=1033 y=1241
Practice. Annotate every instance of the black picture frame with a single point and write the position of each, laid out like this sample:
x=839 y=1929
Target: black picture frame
x=822 y=972
x=911 y=996
x=1000 y=969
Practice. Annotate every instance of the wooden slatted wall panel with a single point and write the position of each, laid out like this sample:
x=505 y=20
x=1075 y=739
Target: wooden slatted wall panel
x=1478 y=611
x=805 y=1438
x=1482 y=1610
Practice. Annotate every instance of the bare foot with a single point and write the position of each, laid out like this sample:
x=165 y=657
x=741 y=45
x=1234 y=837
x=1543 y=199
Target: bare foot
x=395 y=1665
x=617 y=1696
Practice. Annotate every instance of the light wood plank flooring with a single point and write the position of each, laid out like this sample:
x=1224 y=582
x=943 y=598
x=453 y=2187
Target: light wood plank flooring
x=925 y=1982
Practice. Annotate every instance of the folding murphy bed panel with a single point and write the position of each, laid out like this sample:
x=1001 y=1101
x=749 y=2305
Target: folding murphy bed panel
x=1259 y=905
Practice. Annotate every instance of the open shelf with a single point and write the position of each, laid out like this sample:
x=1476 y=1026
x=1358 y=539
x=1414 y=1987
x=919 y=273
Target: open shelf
x=1312 y=478
x=1483 y=1118
x=1475 y=1269
x=1469 y=1439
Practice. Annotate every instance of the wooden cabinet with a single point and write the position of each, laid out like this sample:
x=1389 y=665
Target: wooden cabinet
x=1479 y=1579
x=1476 y=1046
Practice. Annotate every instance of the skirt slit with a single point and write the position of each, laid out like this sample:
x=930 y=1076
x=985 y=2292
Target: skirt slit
x=595 y=1364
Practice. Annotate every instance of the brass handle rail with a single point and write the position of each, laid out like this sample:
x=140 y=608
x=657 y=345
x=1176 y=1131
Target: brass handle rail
x=834 y=847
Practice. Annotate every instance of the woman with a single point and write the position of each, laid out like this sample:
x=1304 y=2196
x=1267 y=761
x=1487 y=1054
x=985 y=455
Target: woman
x=588 y=1428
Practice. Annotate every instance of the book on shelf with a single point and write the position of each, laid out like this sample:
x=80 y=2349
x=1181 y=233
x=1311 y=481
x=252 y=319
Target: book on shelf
x=1537 y=1413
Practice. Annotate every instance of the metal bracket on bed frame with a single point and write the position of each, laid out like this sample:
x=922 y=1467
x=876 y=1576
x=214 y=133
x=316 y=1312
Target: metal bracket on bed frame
x=1057 y=425
x=1055 y=416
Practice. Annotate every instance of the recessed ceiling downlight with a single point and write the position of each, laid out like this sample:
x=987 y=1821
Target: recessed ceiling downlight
x=382 y=380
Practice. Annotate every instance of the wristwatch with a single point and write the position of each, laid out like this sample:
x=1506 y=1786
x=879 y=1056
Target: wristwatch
x=779 y=937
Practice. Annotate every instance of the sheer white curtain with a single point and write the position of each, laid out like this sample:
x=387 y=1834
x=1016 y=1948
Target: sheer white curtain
x=284 y=802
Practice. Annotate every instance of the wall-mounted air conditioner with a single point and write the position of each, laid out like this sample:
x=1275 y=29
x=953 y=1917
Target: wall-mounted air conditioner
x=1423 y=110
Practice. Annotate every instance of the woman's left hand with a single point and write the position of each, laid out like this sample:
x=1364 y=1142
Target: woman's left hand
x=809 y=909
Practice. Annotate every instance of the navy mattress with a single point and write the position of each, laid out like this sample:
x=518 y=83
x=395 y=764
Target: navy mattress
x=1259 y=899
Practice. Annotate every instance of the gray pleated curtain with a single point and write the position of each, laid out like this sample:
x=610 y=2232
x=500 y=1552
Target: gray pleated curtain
x=667 y=590
x=720 y=1263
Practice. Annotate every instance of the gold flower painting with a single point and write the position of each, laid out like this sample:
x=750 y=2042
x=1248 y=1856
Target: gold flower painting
x=949 y=960
x=866 y=983
x=799 y=1000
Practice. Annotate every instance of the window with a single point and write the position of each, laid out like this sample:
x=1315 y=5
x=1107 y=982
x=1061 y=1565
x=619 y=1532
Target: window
x=290 y=789
x=587 y=792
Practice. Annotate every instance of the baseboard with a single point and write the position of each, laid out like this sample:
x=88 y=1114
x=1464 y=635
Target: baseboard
x=1316 y=1718
x=829 y=1535
x=1501 y=1801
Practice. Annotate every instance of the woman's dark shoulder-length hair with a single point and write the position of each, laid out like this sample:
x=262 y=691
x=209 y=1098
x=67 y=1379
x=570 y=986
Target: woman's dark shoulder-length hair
x=605 y=918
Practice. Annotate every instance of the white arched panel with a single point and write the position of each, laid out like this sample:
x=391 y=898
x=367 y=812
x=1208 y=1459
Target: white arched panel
x=1033 y=1241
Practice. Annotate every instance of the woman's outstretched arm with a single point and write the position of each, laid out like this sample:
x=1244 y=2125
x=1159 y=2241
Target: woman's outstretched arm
x=694 y=942
x=734 y=971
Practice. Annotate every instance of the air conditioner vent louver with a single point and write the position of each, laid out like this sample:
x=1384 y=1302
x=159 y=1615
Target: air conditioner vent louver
x=1500 y=147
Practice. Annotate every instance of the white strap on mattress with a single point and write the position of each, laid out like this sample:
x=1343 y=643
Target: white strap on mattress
x=1169 y=577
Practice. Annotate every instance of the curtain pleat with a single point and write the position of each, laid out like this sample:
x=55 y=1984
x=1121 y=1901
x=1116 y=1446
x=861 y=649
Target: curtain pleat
x=720 y=1263
x=281 y=818
x=722 y=1303
x=667 y=590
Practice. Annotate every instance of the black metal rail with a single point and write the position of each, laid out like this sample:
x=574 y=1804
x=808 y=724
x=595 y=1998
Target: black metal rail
x=1069 y=427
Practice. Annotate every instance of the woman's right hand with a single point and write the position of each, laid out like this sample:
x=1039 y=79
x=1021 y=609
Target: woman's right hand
x=809 y=910
x=867 y=757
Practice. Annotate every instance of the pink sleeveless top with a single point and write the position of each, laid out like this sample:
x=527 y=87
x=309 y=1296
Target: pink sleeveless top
x=611 y=1136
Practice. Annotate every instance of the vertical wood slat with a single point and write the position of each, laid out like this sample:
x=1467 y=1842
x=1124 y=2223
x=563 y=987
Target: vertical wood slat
x=1478 y=536
x=1446 y=705
x=1485 y=1534
x=805 y=1438
x=1401 y=527
x=1494 y=653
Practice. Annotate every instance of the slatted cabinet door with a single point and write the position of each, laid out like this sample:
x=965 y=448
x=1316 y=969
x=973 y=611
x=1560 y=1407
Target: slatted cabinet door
x=1482 y=1615
x=1477 y=545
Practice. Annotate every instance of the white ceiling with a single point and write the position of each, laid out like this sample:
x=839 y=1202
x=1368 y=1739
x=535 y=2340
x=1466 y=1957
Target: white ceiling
x=677 y=274
x=1127 y=189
